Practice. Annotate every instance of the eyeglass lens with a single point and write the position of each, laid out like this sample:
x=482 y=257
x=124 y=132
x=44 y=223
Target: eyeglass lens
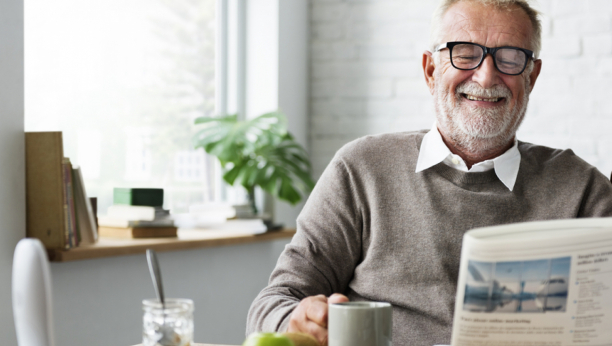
x=508 y=60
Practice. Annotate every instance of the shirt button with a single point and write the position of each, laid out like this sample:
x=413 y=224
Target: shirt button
x=455 y=160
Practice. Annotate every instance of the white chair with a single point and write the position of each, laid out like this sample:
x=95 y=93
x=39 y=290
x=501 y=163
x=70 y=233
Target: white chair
x=32 y=308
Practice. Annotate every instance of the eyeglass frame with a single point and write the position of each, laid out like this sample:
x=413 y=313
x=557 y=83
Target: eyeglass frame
x=487 y=50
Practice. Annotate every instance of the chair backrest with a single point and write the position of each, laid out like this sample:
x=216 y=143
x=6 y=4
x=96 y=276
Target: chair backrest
x=32 y=307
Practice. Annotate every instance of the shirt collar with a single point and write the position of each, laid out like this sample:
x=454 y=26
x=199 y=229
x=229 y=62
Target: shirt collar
x=434 y=150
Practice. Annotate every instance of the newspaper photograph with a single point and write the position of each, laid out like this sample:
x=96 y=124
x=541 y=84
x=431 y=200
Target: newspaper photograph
x=536 y=284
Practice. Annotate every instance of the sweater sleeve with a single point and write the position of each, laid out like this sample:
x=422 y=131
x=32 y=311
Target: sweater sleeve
x=597 y=198
x=322 y=255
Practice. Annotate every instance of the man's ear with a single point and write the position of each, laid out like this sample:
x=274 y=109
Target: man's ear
x=428 y=70
x=537 y=67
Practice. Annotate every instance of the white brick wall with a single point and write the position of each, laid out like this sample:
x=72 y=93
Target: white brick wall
x=366 y=75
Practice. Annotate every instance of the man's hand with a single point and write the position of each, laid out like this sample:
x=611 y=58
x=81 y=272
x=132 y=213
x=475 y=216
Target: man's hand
x=310 y=316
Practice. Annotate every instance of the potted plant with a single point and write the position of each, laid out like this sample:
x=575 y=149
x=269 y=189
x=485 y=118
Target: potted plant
x=257 y=152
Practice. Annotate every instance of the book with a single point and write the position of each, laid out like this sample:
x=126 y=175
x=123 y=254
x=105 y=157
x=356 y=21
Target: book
x=150 y=197
x=46 y=216
x=93 y=201
x=108 y=221
x=137 y=232
x=252 y=226
x=86 y=222
x=131 y=212
x=71 y=226
x=536 y=283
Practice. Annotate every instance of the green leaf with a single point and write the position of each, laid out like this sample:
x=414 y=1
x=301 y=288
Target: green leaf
x=248 y=175
x=288 y=192
x=227 y=118
x=231 y=175
x=272 y=186
x=261 y=151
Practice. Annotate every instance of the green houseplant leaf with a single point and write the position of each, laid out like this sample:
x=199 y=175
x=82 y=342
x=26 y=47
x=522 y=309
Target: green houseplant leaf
x=257 y=152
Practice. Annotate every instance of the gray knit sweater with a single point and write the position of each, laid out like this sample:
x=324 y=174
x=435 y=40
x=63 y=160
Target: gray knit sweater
x=373 y=229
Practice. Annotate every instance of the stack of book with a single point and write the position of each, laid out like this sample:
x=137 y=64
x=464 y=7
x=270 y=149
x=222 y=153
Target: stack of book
x=58 y=211
x=219 y=216
x=137 y=213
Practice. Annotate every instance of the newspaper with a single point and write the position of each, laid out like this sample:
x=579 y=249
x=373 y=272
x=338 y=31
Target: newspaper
x=536 y=284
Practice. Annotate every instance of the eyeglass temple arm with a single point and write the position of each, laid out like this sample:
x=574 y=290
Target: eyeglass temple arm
x=440 y=47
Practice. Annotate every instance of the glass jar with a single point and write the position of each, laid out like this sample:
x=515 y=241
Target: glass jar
x=169 y=326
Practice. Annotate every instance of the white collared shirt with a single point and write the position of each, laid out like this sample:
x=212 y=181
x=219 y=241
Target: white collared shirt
x=434 y=151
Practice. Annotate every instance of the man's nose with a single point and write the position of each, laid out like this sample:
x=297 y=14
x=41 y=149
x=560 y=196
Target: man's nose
x=486 y=74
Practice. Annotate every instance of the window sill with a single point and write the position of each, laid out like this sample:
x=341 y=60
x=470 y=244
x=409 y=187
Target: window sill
x=186 y=240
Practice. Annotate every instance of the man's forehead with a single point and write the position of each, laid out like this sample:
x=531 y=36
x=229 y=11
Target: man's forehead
x=487 y=25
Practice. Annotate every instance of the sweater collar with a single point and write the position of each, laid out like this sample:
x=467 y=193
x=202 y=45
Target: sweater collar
x=434 y=150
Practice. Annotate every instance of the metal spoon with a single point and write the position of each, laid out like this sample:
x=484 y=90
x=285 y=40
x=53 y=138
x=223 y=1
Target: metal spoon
x=168 y=336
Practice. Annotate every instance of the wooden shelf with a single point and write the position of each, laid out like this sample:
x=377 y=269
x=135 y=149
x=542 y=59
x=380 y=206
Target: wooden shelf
x=187 y=239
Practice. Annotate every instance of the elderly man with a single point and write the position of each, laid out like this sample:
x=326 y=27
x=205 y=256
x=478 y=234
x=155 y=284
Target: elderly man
x=386 y=219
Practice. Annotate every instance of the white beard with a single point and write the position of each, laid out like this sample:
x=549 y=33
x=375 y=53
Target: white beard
x=478 y=130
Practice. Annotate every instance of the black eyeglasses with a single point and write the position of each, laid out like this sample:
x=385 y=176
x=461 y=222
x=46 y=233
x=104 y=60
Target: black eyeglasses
x=468 y=56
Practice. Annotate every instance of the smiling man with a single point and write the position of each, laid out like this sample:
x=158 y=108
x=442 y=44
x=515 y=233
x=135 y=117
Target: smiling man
x=386 y=219
x=481 y=93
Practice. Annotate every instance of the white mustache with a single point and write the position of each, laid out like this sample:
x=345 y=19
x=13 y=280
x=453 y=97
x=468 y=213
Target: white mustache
x=474 y=89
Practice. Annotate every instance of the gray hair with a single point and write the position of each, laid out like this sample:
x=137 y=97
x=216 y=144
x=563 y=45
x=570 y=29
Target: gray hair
x=536 y=34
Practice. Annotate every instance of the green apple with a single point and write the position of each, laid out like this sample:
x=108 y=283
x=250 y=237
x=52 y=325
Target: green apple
x=267 y=339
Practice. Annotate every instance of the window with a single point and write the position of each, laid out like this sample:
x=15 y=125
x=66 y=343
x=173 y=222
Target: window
x=123 y=81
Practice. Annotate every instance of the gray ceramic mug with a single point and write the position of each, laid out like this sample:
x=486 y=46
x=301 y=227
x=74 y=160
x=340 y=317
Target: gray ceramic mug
x=360 y=324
